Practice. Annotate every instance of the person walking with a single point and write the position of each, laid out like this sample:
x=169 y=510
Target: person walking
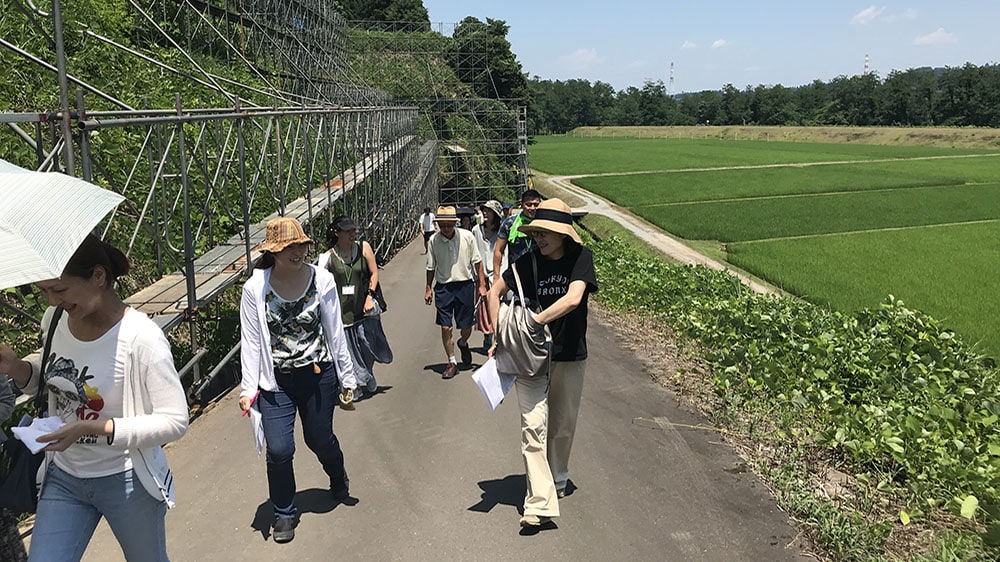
x=354 y=267
x=454 y=271
x=486 y=240
x=110 y=377
x=512 y=241
x=558 y=276
x=427 y=225
x=11 y=545
x=292 y=349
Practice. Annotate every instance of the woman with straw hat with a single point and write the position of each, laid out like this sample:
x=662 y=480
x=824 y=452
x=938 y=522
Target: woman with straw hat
x=558 y=276
x=293 y=348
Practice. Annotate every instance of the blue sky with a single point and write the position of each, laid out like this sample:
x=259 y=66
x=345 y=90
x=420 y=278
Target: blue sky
x=627 y=42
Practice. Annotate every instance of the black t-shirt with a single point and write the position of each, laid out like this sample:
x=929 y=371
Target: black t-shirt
x=569 y=333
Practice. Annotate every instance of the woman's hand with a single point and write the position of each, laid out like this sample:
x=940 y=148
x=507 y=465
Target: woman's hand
x=245 y=403
x=489 y=352
x=62 y=438
x=369 y=304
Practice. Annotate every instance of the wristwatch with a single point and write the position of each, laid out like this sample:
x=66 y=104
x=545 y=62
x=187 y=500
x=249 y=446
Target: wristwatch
x=371 y=292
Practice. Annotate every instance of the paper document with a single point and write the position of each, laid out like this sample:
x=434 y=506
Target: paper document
x=493 y=384
x=30 y=433
x=258 y=427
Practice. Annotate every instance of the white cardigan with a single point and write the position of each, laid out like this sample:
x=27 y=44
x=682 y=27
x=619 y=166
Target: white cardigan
x=155 y=409
x=255 y=350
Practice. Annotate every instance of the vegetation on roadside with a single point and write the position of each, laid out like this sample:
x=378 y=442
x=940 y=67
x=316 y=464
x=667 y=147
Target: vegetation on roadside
x=885 y=394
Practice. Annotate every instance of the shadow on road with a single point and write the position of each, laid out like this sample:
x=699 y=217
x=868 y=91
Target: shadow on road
x=313 y=500
x=508 y=491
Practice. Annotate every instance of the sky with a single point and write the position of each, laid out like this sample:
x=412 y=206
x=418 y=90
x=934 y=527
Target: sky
x=744 y=43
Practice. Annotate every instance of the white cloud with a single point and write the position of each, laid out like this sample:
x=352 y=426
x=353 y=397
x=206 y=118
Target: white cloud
x=689 y=45
x=939 y=37
x=719 y=43
x=582 y=58
x=911 y=14
x=866 y=16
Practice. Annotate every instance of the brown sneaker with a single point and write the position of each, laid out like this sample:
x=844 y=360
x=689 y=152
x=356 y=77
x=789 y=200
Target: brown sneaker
x=450 y=371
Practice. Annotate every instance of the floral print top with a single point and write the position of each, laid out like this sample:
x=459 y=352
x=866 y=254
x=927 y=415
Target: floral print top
x=295 y=328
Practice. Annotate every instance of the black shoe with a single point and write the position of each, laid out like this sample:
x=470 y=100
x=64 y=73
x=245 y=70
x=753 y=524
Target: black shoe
x=341 y=491
x=466 y=351
x=284 y=529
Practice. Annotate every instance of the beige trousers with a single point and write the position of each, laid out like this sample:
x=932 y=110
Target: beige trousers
x=549 y=407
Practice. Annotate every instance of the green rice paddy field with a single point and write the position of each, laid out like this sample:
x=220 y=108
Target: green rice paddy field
x=844 y=225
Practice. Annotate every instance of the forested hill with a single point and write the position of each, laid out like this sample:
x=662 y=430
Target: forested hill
x=967 y=96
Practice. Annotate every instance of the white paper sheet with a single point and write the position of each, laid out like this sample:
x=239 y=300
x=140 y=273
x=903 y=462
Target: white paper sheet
x=258 y=428
x=39 y=426
x=493 y=384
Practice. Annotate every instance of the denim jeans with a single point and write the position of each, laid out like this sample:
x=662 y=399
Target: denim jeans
x=314 y=396
x=70 y=508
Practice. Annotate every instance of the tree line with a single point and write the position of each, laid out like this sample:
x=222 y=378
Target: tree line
x=922 y=97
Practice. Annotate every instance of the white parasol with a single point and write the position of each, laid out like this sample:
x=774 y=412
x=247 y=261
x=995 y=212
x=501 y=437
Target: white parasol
x=44 y=218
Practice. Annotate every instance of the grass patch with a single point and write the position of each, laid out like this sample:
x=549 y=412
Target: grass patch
x=765 y=218
x=970 y=137
x=569 y=155
x=710 y=185
x=951 y=272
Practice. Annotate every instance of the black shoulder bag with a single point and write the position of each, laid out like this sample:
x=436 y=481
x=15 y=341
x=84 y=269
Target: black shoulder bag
x=18 y=467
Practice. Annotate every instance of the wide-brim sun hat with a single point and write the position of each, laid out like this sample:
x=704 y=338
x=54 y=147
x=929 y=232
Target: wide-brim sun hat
x=553 y=216
x=281 y=233
x=494 y=206
x=445 y=213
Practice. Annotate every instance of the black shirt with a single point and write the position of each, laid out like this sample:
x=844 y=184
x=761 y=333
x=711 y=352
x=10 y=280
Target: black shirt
x=569 y=333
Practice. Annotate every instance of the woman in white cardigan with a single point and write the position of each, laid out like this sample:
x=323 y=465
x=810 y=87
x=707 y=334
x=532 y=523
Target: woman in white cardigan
x=111 y=378
x=293 y=347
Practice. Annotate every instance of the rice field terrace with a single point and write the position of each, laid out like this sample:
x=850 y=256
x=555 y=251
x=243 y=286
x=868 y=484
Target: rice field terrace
x=845 y=225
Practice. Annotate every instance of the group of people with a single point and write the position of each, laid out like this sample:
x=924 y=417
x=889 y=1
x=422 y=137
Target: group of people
x=310 y=336
x=557 y=273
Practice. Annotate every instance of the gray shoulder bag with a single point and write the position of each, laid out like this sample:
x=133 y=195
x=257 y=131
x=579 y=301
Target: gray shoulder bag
x=523 y=345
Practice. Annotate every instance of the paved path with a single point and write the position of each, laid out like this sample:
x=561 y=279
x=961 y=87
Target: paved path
x=439 y=477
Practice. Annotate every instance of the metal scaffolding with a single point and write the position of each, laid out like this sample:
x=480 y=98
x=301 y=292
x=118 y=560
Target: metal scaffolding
x=297 y=134
x=482 y=135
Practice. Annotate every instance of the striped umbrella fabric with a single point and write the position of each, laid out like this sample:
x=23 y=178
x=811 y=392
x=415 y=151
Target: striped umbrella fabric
x=43 y=219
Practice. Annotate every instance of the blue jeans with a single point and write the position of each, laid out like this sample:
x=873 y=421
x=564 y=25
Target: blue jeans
x=70 y=508
x=314 y=396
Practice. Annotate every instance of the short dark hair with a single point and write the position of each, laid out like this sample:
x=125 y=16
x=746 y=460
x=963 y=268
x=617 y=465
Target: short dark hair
x=427 y=210
x=530 y=194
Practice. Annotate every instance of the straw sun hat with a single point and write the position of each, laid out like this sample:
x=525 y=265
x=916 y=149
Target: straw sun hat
x=281 y=233
x=446 y=214
x=554 y=216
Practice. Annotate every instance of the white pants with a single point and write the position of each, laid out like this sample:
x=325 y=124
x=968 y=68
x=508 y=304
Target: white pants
x=549 y=407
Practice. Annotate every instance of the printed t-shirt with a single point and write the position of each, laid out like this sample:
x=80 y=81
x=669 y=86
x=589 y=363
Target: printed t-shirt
x=569 y=333
x=518 y=243
x=295 y=327
x=87 y=381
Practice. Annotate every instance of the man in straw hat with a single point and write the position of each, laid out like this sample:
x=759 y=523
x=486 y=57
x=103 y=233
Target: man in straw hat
x=454 y=269
x=557 y=274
